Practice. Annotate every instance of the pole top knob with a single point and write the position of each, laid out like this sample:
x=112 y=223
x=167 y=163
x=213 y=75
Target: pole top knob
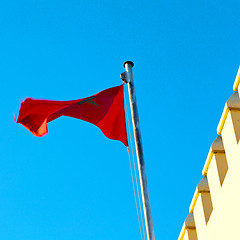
x=129 y=62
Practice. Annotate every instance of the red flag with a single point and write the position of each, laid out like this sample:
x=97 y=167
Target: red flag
x=104 y=109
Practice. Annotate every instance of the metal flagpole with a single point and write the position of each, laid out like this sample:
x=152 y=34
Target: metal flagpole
x=127 y=76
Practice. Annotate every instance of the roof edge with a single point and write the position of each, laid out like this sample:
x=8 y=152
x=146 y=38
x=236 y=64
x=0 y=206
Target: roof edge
x=237 y=80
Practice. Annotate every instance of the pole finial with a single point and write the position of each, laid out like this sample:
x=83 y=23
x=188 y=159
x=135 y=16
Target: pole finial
x=129 y=62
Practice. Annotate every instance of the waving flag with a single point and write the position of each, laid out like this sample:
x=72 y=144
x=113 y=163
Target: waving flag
x=104 y=109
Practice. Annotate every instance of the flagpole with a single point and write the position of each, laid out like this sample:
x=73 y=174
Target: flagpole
x=128 y=77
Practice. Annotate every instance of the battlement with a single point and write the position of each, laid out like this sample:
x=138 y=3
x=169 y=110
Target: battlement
x=214 y=211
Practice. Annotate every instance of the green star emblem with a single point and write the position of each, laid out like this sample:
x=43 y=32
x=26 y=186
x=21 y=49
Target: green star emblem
x=89 y=100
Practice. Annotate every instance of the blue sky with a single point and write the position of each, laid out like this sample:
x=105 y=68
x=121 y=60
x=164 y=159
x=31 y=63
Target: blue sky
x=75 y=183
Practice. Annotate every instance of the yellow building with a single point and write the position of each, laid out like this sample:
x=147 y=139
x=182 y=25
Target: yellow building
x=214 y=212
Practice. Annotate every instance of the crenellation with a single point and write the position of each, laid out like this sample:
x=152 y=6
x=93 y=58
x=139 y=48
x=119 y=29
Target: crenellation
x=216 y=147
x=216 y=174
x=215 y=209
x=233 y=103
x=188 y=231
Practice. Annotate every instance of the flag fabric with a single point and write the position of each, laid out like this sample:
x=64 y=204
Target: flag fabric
x=104 y=109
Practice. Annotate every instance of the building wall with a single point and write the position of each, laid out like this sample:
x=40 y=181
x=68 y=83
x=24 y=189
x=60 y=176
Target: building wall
x=215 y=209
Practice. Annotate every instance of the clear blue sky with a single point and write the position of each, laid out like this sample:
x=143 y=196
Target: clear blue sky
x=75 y=183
